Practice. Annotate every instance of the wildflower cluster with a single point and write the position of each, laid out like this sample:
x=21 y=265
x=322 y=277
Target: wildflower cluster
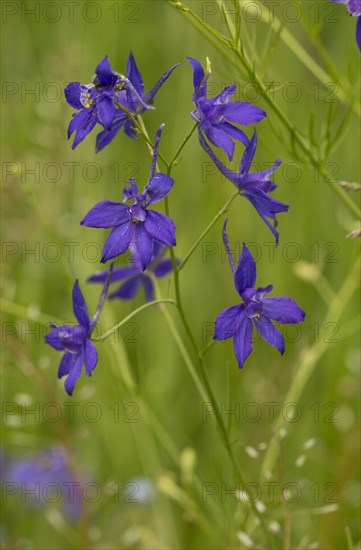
x=115 y=101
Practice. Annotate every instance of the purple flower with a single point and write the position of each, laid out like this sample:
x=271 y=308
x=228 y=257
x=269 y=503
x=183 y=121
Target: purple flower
x=354 y=8
x=134 y=277
x=74 y=340
x=135 y=226
x=45 y=477
x=237 y=321
x=216 y=115
x=135 y=100
x=255 y=187
x=97 y=102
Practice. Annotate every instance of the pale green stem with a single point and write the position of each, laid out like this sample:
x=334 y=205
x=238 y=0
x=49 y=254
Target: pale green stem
x=130 y=316
x=207 y=229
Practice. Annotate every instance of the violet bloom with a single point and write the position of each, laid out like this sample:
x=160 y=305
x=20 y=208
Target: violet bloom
x=354 y=8
x=134 y=277
x=237 y=322
x=99 y=101
x=74 y=341
x=45 y=477
x=135 y=226
x=255 y=187
x=216 y=115
x=134 y=99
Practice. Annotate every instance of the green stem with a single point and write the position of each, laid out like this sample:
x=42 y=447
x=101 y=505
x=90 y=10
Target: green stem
x=207 y=229
x=130 y=316
x=185 y=140
x=141 y=128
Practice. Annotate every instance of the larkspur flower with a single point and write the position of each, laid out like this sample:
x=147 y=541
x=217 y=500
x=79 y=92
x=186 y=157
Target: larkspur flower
x=46 y=471
x=75 y=341
x=257 y=311
x=216 y=116
x=354 y=9
x=99 y=102
x=134 y=277
x=256 y=186
x=135 y=226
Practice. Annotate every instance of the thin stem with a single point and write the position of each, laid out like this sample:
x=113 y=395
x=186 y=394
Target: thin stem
x=130 y=316
x=207 y=229
x=140 y=128
x=185 y=140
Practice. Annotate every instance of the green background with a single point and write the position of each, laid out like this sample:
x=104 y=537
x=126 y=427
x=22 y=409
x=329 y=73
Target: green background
x=41 y=213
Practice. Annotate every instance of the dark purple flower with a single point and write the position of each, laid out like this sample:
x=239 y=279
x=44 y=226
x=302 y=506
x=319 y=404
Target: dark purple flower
x=255 y=187
x=134 y=277
x=237 y=322
x=135 y=226
x=216 y=116
x=75 y=341
x=354 y=8
x=135 y=101
x=97 y=102
x=45 y=478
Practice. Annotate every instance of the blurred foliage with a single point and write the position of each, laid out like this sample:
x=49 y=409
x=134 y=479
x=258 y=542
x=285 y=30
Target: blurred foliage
x=47 y=188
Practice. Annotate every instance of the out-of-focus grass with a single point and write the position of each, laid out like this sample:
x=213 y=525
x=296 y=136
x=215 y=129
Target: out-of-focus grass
x=41 y=213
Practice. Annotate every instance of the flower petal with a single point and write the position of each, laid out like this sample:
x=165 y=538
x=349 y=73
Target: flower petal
x=82 y=132
x=242 y=340
x=74 y=374
x=248 y=155
x=269 y=333
x=143 y=245
x=106 y=136
x=53 y=339
x=79 y=306
x=127 y=290
x=104 y=73
x=66 y=363
x=164 y=267
x=158 y=188
x=119 y=274
x=78 y=120
x=118 y=241
x=227 y=322
x=219 y=137
x=235 y=133
x=134 y=75
x=358 y=32
x=160 y=227
x=198 y=72
x=106 y=112
x=283 y=310
x=148 y=288
x=245 y=275
x=72 y=95
x=243 y=113
x=90 y=357
x=107 y=214
x=266 y=206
